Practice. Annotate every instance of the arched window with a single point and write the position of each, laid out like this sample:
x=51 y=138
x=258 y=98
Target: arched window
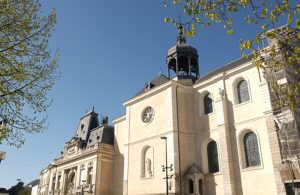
x=200 y=186
x=251 y=150
x=191 y=186
x=243 y=91
x=212 y=156
x=208 y=108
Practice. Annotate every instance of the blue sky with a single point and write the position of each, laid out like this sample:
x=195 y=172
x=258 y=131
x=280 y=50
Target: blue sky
x=108 y=51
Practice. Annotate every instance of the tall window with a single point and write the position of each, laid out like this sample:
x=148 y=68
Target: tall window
x=200 y=186
x=212 y=155
x=82 y=175
x=251 y=150
x=243 y=91
x=53 y=182
x=191 y=186
x=208 y=104
x=58 y=182
x=90 y=175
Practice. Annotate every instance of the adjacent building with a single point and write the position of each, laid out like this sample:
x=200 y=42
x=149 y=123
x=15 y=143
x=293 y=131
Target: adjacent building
x=86 y=163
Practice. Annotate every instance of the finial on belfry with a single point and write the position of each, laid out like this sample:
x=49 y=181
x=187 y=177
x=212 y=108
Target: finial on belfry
x=180 y=30
x=180 y=38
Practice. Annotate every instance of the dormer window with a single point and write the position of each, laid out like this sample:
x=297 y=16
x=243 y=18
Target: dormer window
x=82 y=125
x=148 y=86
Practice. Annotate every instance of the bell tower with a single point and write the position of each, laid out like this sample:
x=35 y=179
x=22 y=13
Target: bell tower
x=182 y=59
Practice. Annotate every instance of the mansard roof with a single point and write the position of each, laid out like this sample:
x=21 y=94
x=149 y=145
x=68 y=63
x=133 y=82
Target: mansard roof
x=102 y=134
x=90 y=132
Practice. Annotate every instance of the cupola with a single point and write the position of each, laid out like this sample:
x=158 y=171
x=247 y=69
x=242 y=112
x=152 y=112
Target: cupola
x=182 y=59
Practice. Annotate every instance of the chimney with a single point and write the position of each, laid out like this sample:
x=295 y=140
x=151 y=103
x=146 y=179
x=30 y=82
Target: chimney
x=104 y=120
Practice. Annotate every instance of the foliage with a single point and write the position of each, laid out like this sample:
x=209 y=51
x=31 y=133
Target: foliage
x=282 y=51
x=28 y=69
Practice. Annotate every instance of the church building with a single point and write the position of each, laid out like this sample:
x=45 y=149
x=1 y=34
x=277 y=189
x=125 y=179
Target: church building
x=183 y=134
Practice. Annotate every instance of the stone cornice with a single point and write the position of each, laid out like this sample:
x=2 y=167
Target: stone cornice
x=104 y=150
x=119 y=119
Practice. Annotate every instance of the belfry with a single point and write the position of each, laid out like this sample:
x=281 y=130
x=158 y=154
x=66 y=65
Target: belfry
x=182 y=59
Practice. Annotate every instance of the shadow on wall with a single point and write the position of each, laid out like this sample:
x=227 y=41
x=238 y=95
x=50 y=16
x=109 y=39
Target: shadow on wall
x=118 y=170
x=208 y=184
x=233 y=135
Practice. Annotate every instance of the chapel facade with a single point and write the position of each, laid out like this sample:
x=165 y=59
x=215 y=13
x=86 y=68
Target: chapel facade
x=186 y=135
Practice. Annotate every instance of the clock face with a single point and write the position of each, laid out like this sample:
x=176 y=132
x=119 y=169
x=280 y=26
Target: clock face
x=148 y=115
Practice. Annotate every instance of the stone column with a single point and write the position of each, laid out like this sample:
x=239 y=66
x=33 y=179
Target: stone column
x=56 y=178
x=126 y=151
x=77 y=181
x=62 y=181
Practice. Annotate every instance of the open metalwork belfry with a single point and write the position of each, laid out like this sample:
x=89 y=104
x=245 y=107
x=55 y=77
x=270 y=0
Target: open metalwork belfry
x=182 y=59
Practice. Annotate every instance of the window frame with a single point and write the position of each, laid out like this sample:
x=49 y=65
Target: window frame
x=241 y=149
x=242 y=83
x=235 y=90
x=251 y=151
x=213 y=159
x=210 y=110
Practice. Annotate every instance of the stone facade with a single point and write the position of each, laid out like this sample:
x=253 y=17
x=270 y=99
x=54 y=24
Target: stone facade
x=86 y=163
x=180 y=116
x=209 y=135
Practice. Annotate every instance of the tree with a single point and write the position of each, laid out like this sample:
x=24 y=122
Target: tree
x=28 y=69
x=283 y=51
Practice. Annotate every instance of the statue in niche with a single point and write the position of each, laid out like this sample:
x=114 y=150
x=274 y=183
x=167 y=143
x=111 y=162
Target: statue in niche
x=70 y=188
x=149 y=167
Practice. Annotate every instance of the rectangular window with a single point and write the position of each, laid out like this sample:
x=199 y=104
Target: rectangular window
x=82 y=177
x=53 y=183
x=90 y=175
x=58 y=182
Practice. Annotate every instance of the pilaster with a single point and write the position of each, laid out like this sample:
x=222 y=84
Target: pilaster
x=273 y=136
x=225 y=145
x=126 y=151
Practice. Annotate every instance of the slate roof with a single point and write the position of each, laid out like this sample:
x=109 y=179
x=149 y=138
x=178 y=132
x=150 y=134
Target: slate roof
x=33 y=183
x=224 y=68
x=161 y=79
x=157 y=81
x=103 y=134
x=193 y=169
x=182 y=48
x=89 y=132
x=87 y=122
